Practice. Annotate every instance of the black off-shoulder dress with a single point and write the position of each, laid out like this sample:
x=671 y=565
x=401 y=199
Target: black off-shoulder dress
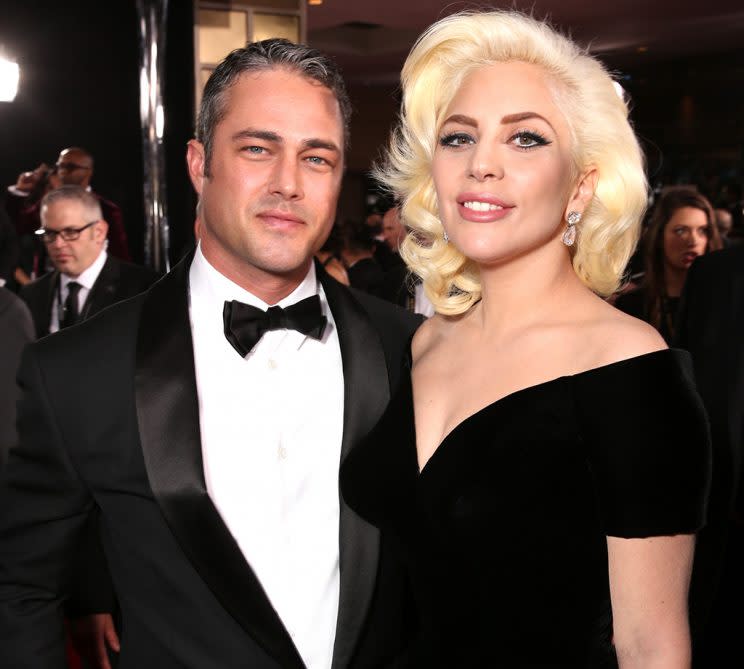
x=504 y=530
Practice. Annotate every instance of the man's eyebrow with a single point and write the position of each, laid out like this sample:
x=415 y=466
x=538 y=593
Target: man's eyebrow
x=271 y=136
x=253 y=133
x=321 y=144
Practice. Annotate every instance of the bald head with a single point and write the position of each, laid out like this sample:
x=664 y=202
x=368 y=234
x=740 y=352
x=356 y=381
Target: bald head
x=75 y=167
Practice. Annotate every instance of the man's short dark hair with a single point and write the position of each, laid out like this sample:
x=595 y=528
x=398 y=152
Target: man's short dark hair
x=260 y=56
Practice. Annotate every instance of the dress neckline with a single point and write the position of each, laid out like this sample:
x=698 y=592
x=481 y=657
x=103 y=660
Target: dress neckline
x=517 y=393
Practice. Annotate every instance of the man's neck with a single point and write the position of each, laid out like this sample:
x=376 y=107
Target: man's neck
x=267 y=286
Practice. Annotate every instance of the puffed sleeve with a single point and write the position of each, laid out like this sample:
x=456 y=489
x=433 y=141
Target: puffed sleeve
x=647 y=443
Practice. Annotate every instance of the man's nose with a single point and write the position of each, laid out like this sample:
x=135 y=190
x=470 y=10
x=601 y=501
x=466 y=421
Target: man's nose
x=285 y=179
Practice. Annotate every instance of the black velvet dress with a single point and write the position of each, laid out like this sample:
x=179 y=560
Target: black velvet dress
x=504 y=531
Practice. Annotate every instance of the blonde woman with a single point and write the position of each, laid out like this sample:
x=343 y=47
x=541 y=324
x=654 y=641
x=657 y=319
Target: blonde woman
x=530 y=473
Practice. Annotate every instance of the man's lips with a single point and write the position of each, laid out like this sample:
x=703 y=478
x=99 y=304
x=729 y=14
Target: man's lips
x=280 y=219
x=482 y=207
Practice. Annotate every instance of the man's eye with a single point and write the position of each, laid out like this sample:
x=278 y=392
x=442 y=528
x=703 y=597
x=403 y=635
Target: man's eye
x=317 y=160
x=256 y=150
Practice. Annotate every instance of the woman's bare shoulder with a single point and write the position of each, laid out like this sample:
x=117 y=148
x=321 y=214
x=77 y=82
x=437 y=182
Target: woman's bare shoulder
x=431 y=334
x=612 y=335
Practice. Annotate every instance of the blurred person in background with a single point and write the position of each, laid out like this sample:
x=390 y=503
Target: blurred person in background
x=329 y=255
x=682 y=228
x=74 y=167
x=357 y=254
x=16 y=330
x=9 y=251
x=724 y=221
x=711 y=328
x=86 y=278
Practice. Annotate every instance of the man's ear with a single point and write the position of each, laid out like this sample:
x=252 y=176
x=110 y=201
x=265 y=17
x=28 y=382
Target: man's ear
x=583 y=191
x=100 y=230
x=195 y=162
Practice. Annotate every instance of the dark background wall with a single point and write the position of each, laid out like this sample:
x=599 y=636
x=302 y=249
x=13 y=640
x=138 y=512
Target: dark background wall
x=80 y=87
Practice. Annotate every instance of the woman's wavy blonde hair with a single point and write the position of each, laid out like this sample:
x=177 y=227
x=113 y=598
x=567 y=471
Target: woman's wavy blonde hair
x=601 y=137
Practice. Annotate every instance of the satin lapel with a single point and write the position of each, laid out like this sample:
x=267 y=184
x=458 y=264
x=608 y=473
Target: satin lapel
x=366 y=394
x=168 y=417
x=104 y=289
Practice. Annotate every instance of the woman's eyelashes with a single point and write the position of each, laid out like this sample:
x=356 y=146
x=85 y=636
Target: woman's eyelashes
x=455 y=139
x=522 y=139
x=528 y=139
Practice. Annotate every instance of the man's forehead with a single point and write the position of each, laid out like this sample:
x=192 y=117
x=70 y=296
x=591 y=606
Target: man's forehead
x=66 y=208
x=280 y=96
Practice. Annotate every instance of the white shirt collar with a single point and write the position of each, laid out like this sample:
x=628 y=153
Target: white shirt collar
x=205 y=278
x=88 y=277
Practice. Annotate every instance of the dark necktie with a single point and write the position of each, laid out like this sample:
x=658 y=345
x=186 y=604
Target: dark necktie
x=70 y=312
x=245 y=325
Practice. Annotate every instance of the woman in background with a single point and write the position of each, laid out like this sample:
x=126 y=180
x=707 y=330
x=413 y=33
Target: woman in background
x=538 y=531
x=682 y=227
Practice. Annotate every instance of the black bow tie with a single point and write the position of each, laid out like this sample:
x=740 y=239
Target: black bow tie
x=245 y=325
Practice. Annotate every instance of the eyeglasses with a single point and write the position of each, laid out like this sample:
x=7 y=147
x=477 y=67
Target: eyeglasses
x=70 y=167
x=68 y=234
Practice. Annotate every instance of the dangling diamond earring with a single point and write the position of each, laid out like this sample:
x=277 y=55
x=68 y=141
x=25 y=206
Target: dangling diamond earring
x=569 y=236
x=445 y=236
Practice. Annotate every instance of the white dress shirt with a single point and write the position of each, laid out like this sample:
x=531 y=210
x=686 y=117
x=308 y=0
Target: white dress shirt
x=87 y=279
x=271 y=428
x=422 y=304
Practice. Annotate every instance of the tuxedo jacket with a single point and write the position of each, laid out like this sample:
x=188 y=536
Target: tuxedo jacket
x=117 y=281
x=711 y=326
x=16 y=330
x=109 y=424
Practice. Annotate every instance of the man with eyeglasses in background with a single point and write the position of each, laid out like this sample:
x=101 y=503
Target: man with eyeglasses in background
x=74 y=167
x=86 y=278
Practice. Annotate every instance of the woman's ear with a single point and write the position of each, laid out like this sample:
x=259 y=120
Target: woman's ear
x=583 y=191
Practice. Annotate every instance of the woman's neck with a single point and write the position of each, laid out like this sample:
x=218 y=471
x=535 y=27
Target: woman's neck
x=526 y=290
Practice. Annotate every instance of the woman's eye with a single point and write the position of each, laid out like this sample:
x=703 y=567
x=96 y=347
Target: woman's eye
x=456 y=139
x=528 y=140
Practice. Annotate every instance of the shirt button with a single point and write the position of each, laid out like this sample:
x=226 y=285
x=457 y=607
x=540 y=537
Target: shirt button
x=282 y=453
x=273 y=363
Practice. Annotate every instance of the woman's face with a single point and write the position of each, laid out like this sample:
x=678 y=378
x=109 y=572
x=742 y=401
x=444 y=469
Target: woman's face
x=685 y=237
x=502 y=164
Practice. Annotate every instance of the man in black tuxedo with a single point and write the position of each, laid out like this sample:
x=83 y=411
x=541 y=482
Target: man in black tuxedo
x=211 y=415
x=711 y=327
x=86 y=278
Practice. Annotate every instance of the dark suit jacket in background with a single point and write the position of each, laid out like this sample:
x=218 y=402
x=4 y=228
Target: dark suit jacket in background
x=16 y=330
x=9 y=249
x=127 y=442
x=711 y=327
x=117 y=281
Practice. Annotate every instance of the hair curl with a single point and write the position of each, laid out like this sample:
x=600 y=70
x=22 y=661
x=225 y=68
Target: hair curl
x=601 y=136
